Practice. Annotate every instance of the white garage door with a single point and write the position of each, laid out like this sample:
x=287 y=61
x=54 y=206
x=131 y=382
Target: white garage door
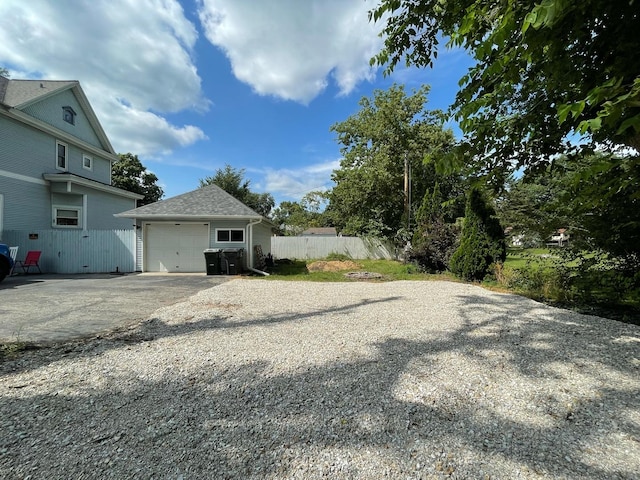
x=175 y=247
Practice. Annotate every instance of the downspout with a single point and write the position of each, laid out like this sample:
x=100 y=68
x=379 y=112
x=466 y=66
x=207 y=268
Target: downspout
x=250 y=262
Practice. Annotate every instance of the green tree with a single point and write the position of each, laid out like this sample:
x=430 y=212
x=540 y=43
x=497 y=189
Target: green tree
x=531 y=205
x=482 y=243
x=543 y=71
x=293 y=218
x=232 y=181
x=4 y=72
x=129 y=174
x=437 y=234
x=391 y=130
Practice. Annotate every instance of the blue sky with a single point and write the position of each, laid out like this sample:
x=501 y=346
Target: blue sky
x=192 y=85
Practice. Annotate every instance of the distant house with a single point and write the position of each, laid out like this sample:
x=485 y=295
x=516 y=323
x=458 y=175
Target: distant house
x=320 y=232
x=55 y=169
x=559 y=239
x=173 y=233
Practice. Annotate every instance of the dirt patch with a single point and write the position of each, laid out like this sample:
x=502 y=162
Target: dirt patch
x=332 y=266
x=364 y=275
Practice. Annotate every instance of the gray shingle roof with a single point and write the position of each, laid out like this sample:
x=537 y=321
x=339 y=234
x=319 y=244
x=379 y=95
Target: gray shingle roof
x=20 y=92
x=209 y=201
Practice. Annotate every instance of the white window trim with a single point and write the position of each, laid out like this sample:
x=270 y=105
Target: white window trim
x=66 y=156
x=54 y=216
x=230 y=230
x=87 y=157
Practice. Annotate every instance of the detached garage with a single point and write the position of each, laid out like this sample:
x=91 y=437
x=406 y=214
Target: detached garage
x=174 y=247
x=173 y=233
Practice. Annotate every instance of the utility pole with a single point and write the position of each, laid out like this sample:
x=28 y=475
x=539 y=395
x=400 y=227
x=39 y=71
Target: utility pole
x=407 y=190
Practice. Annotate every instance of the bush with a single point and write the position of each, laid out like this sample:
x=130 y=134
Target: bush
x=482 y=242
x=433 y=245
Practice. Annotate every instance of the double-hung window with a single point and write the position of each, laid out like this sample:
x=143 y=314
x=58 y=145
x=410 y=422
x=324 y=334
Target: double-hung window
x=61 y=156
x=69 y=217
x=229 y=235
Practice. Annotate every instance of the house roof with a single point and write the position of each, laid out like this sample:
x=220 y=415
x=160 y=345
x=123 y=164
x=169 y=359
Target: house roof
x=320 y=231
x=16 y=95
x=203 y=203
x=21 y=93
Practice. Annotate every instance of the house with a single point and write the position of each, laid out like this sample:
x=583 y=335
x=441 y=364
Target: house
x=55 y=168
x=173 y=233
x=320 y=232
x=559 y=239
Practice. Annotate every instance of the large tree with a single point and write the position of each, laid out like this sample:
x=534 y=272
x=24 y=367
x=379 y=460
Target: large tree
x=389 y=141
x=129 y=174
x=292 y=218
x=232 y=181
x=482 y=242
x=545 y=71
x=585 y=195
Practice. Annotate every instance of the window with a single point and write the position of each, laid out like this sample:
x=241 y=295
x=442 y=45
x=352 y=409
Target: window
x=67 y=216
x=229 y=235
x=87 y=162
x=68 y=115
x=61 y=156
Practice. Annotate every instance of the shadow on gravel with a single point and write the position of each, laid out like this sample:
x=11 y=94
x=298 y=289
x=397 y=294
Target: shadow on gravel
x=149 y=330
x=229 y=424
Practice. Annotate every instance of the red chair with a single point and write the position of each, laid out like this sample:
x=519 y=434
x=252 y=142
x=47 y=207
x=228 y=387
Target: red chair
x=31 y=260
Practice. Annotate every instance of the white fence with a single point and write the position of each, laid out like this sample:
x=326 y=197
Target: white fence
x=320 y=247
x=75 y=251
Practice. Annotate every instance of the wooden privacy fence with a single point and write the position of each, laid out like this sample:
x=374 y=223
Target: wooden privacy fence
x=75 y=251
x=320 y=247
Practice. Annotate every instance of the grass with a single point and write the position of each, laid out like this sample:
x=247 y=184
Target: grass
x=390 y=270
x=523 y=257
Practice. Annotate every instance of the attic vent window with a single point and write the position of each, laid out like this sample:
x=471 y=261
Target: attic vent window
x=69 y=115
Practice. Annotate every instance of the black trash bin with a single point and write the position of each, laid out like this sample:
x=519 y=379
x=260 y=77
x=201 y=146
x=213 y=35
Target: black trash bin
x=213 y=259
x=232 y=261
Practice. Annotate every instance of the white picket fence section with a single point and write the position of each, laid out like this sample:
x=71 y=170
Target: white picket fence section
x=305 y=248
x=75 y=251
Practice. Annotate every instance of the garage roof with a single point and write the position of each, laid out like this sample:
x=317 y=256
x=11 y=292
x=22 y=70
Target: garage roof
x=203 y=203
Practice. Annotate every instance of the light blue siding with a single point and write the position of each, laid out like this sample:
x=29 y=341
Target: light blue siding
x=262 y=236
x=27 y=151
x=50 y=111
x=27 y=205
x=101 y=207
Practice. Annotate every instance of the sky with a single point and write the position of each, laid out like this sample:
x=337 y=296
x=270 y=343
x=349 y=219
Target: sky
x=193 y=85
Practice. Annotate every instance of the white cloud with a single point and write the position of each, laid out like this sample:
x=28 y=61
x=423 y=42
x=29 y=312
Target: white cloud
x=293 y=184
x=288 y=48
x=133 y=59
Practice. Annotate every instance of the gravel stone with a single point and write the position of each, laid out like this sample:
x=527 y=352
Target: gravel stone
x=258 y=379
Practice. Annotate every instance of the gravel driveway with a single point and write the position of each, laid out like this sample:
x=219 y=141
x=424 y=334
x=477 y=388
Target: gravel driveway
x=259 y=379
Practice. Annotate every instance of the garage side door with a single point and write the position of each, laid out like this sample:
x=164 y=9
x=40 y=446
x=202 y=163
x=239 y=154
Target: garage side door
x=175 y=247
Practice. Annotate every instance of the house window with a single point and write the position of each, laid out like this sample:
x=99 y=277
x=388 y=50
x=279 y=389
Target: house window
x=228 y=235
x=61 y=156
x=67 y=216
x=68 y=115
x=87 y=162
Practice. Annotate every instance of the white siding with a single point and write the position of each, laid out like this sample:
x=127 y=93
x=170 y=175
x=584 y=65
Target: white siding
x=75 y=251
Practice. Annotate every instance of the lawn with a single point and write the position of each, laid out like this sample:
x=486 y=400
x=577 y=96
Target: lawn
x=389 y=269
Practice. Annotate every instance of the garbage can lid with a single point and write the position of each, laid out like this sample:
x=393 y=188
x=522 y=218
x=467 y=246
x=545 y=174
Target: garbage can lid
x=214 y=250
x=232 y=250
